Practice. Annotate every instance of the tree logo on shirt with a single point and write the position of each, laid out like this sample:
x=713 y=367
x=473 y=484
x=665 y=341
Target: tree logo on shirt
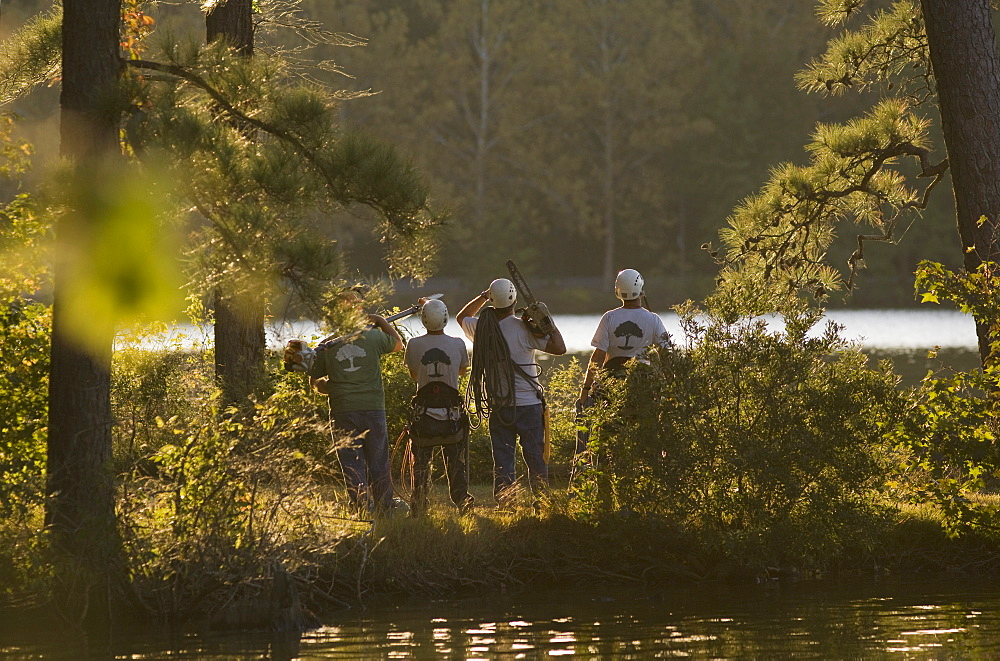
x=349 y=352
x=627 y=329
x=435 y=357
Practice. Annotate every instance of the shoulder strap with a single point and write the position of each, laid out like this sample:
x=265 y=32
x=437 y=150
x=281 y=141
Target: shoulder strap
x=532 y=380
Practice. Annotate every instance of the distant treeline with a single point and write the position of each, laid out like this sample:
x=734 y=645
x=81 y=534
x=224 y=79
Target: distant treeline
x=579 y=137
x=582 y=136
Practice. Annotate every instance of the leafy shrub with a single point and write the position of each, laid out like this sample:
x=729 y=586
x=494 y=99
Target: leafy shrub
x=766 y=444
x=228 y=499
x=948 y=446
x=24 y=372
x=25 y=328
x=948 y=440
x=562 y=387
x=147 y=385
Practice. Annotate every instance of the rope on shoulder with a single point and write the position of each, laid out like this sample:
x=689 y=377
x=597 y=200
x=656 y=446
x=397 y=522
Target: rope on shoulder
x=491 y=379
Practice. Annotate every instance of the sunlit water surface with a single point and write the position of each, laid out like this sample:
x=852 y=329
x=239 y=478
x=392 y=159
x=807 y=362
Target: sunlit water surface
x=904 y=329
x=893 y=618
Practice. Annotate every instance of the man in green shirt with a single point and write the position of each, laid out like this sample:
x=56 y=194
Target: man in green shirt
x=349 y=371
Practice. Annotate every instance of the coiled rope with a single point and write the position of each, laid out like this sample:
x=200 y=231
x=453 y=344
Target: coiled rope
x=491 y=379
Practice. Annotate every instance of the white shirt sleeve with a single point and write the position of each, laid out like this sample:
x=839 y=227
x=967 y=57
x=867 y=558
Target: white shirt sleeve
x=659 y=331
x=601 y=340
x=469 y=327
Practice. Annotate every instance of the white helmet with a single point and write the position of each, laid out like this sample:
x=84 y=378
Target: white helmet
x=628 y=285
x=434 y=315
x=502 y=293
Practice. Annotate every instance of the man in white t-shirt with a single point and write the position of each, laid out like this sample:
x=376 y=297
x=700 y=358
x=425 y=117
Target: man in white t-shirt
x=437 y=359
x=622 y=334
x=504 y=348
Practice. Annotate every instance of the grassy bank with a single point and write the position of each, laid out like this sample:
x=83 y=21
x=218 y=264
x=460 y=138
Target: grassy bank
x=749 y=456
x=338 y=562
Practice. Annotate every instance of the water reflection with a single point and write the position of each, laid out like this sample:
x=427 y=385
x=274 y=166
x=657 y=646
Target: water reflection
x=818 y=620
x=905 y=619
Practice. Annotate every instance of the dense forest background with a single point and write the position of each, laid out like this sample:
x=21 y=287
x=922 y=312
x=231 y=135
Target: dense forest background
x=578 y=137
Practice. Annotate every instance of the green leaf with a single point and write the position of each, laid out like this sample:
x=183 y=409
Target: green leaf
x=120 y=260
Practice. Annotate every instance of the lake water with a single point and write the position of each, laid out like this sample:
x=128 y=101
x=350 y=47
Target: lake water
x=904 y=329
x=892 y=618
x=891 y=330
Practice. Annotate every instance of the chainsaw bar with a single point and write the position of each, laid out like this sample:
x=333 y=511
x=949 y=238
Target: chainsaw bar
x=536 y=315
x=413 y=309
x=519 y=283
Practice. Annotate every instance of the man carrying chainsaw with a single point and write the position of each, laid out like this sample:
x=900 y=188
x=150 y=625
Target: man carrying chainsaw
x=436 y=361
x=349 y=371
x=622 y=335
x=504 y=381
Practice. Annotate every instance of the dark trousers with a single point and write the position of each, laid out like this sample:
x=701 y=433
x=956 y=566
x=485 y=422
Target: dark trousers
x=363 y=451
x=529 y=426
x=455 y=466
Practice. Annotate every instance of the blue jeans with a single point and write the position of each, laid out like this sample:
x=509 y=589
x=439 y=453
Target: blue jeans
x=364 y=457
x=528 y=424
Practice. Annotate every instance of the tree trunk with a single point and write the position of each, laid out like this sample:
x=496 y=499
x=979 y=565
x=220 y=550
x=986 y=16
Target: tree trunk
x=966 y=65
x=239 y=348
x=232 y=20
x=80 y=507
x=239 y=323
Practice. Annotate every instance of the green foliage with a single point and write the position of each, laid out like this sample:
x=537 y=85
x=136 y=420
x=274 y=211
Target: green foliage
x=779 y=237
x=767 y=445
x=892 y=46
x=14 y=154
x=263 y=160
x=150 y=385
x=24 y=377
x=949 y=447
x=949 y=438
x=562 y=388
x=219 y=499
x=25 y=328
x=23 y=555
x=399 y=390
x=863 y=171
x=31 y=55
x=974 y=293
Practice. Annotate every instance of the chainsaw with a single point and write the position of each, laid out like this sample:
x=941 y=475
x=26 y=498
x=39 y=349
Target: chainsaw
x=299 y=357
x=535 y=314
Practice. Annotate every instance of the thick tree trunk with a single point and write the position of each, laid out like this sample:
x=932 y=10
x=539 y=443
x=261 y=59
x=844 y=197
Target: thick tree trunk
x=80 y=508
x=239 y=349
x=232 y=20
x=966 y=65
x=239 y=323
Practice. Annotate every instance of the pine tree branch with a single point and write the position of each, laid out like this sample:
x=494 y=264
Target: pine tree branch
x=806 y=209
x=31 y=55
x=858 y=255
x=338 y=190
x=228 y=107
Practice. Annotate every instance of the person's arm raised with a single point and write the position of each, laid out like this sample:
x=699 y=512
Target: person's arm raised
x=556 y=344
x=388 y=329
x=472 y=307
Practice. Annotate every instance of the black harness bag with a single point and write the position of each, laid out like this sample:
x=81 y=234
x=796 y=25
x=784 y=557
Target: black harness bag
x=449 y=425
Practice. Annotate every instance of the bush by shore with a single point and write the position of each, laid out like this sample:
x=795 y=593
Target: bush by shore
x=736 y=454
